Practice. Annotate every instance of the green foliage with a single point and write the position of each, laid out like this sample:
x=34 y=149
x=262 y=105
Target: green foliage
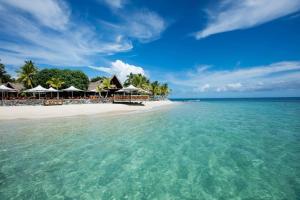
x=164 y=90
x=106 y=83
x=4 y=77
x=155 y=88
x=26 y=74
x=141 y=81
x=137 y=80
x=97 y=78
x=69 y=77
x=55 y=83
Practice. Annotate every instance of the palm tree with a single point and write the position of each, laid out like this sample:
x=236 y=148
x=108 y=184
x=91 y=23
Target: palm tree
x=99 y=89
x=56 y=83
x=164 y=90
x=106 y=84
x=138 y=80
x=155 y=88
x=129 y=79
x=26 y=73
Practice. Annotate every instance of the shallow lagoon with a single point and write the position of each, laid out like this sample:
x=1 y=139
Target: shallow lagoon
x=193 y=150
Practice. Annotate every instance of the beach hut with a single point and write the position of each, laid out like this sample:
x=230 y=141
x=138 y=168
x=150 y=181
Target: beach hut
x=72 y=89
x=38 y=89
x=3 y=89
x=115 y=83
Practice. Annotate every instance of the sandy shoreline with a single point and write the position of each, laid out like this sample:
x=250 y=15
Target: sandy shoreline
x=38 y=112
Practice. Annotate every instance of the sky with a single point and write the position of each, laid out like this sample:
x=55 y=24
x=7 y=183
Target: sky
x=201 y=48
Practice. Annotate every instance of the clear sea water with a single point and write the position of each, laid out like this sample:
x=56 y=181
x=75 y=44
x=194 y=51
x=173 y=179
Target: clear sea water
x=207 y=149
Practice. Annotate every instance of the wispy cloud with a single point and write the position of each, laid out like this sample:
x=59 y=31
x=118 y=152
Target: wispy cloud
x=142 y=25
x=47 y=32
x=121 y=69
x=51 y=38
x=232 y=15
x=50 y=13
x=277 y=76
x=114 y=3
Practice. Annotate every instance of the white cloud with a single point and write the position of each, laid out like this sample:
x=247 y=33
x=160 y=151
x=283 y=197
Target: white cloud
x=142 y=25
x=277 y=76
x=120 y=69
x=45 y=32
x=61 y=43
x=51 y=13
x=115 y=3
x=241 y=14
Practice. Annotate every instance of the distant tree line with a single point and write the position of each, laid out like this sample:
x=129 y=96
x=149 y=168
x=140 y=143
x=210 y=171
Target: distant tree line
x=31 y=76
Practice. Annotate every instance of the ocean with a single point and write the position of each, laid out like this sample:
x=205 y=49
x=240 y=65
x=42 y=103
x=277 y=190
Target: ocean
x=194 y=149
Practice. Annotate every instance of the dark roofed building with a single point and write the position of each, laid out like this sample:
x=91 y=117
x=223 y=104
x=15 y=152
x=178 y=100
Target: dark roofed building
x=17 y=86
x=114 y=81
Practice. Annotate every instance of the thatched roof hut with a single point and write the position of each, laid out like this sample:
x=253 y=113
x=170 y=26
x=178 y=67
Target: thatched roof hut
x=114 y=81
x=16 y=86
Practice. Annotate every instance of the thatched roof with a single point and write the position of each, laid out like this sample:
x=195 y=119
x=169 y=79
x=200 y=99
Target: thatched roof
x=115 y=82
x=16 y=86
x=93 y=85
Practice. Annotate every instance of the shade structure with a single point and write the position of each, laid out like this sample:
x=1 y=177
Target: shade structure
x=51 y=89
x=38 y=89
x=129 y=89
x=95 y=90
x=72 y=89
x=3 y=89
x=144 y=91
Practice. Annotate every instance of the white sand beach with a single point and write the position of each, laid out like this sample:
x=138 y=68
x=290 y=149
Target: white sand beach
x=38 y=112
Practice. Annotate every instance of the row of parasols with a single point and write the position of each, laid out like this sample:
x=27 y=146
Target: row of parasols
x=39 y=89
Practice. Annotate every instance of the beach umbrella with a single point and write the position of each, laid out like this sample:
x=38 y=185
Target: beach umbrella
x=130 y=88
x=4 y=88
x=94 y=90
x=38 y=89
x=144 y=91
x=72 y=89
x=51 y=89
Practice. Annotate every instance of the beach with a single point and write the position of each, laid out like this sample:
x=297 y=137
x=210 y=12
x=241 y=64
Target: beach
x=38 y=112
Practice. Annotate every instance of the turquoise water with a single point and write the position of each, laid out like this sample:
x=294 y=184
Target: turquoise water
x=194 y=150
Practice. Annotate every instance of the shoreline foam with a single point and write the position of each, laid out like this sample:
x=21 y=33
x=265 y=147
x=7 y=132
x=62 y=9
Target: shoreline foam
x=41 y=112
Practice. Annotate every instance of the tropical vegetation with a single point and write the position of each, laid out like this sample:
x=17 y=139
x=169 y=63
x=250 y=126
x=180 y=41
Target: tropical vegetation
x=69 y=77
x=26 y=74
x=97 y=78
x=141 y=81
x=55 y=82
x=4 y=76
x=105 y=84
x=31 y=76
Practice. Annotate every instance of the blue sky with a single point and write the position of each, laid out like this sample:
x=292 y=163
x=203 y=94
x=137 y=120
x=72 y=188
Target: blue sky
x=207 y=48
